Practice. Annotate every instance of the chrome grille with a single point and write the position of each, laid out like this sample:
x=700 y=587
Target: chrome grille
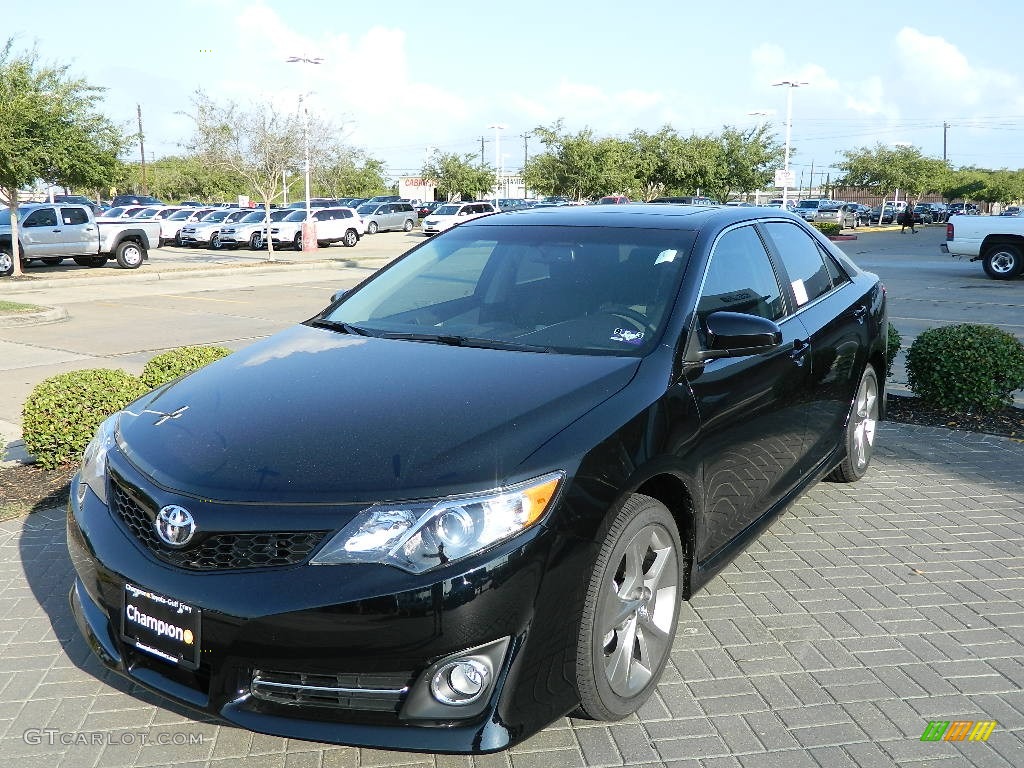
x=359 y=691
x=216 y=551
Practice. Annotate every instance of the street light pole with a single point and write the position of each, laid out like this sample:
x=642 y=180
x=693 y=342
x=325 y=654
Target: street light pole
x=791 y=84
x=307 y=240
x=497 y=160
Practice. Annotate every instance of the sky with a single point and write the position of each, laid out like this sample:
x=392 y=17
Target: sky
x=399 y=79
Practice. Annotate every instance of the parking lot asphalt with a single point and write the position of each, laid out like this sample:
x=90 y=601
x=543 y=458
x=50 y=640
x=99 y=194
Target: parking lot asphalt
x=864 y=613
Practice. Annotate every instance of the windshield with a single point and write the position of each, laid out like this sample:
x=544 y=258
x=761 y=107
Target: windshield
x=111 y=213
x=366 y=210
x=299 y=215
x=448 y=210
x=604 y=290
x=215 y=216
x=808 y=204
x=279 y=214
x=149 y=213
x=253 y=216
x=181 y=215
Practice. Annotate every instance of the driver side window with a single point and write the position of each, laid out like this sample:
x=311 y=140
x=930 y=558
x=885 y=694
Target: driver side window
x=740 y=278
x=44 y=217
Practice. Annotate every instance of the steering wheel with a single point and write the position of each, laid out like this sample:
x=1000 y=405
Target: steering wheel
x=636 y=318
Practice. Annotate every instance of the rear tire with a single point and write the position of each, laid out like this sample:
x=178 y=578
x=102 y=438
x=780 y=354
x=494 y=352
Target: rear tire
x=6 y=261
x=256 y=241
x=297 y=241
x=860 y=430
x=371 y=228
x=1003 y=262
x=350 y=238
x=630 y=611
x=129 y=254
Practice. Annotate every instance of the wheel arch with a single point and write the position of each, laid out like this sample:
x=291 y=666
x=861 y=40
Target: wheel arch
x=995 y=240
x=671 y=490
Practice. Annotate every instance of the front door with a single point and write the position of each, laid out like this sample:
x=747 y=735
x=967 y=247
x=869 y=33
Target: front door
x=42 y=234
x=751 y=407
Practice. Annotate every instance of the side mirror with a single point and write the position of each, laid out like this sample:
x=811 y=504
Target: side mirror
x=731 y=334
x=339 y=295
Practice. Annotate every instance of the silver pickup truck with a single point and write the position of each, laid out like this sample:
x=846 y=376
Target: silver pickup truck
x=52 y=232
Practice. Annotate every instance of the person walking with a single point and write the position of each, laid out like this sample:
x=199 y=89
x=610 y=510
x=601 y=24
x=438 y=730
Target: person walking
x=907 y=218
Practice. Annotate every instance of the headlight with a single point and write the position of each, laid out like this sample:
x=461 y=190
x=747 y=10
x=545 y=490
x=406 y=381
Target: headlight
x=419 y=536
x=94 y=460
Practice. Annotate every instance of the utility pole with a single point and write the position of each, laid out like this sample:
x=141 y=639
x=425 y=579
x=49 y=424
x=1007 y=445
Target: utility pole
x=481 y=151
x=142 y=151
x=945 y=130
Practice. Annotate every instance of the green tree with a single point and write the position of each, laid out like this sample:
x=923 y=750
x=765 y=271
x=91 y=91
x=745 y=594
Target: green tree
x=343 y=171
x=750 y=158
x=177 y=178
x=50 y=129
x=885 y=169
x=256 y=144
x=456 y=175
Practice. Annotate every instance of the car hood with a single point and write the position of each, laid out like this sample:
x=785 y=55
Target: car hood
x=311 y=415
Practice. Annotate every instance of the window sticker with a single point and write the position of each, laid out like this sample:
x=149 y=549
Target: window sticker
x=627 y=336
x=800 y=291
x=666 y=256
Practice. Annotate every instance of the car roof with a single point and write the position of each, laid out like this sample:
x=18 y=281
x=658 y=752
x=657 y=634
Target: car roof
x=641 y=215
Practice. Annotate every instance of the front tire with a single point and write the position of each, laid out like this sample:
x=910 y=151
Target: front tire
x=256 y=241
x=630 y=611
x=215 y=242
x=860 y=430
x=371 y=228
x=1003 y=262
x=350 y=238
x=407 y=227
x=297 y=241
x=6 y=261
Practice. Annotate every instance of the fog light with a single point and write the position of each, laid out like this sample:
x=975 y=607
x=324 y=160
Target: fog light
x=460 y=682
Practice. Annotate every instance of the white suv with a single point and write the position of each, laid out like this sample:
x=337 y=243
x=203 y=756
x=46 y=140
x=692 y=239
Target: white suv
x=450 y=214
x=333 y=225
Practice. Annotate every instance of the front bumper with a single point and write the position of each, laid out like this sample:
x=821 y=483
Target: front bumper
x=352 y=622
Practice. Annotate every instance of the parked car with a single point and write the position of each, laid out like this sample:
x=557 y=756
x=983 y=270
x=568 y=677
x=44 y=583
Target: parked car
x=249 y=229
x=963 y=209
x=333 y=225
x=923 y=214
x=863 y=214
x=883 y=215
x=806 y=209
x=1012 y=210
x=613 y=200
x=170 y=228
x=996 y=241
x=315 y=202
x=143 y=200
x=206 y=231
x=381 y=217
x=684 y=200
x=123 y=212
x=450 y=214
x=427 y=207
x=843 y=214
x=940 y=212
x=385 y=199
x=471 y=494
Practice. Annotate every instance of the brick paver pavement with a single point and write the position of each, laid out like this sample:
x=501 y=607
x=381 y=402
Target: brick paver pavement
x=863 y=613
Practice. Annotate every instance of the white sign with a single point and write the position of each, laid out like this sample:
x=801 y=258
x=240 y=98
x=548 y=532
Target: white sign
x=784 y=178
x=243 y=201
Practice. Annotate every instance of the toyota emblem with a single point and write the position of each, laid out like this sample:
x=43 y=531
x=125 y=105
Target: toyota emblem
x=175 y=525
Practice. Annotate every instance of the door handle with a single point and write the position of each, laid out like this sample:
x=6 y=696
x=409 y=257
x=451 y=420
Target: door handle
x=56 y=231
x=859 y=313
x=799 y=351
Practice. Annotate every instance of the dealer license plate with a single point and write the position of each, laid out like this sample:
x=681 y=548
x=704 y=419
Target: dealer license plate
x=161 y=626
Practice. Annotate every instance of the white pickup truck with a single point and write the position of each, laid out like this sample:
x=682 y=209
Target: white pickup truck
x=997 y=241
x=52 y=232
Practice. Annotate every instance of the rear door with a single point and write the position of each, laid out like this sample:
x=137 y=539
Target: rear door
x=835 y=314
x=81 y=236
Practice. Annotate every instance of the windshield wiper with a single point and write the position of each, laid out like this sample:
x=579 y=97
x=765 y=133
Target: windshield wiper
x=336 y=325
x=466 y=341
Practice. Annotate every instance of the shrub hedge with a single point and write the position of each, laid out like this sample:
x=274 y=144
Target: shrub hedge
x=966 y=367
x=170 y=365
x=895 y=341
x=62 y=412
x=827 y=228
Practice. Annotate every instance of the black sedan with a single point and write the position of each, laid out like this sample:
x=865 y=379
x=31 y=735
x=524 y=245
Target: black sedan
x=468 y=497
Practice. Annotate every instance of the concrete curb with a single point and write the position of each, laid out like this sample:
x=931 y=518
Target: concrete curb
x=46 y=315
